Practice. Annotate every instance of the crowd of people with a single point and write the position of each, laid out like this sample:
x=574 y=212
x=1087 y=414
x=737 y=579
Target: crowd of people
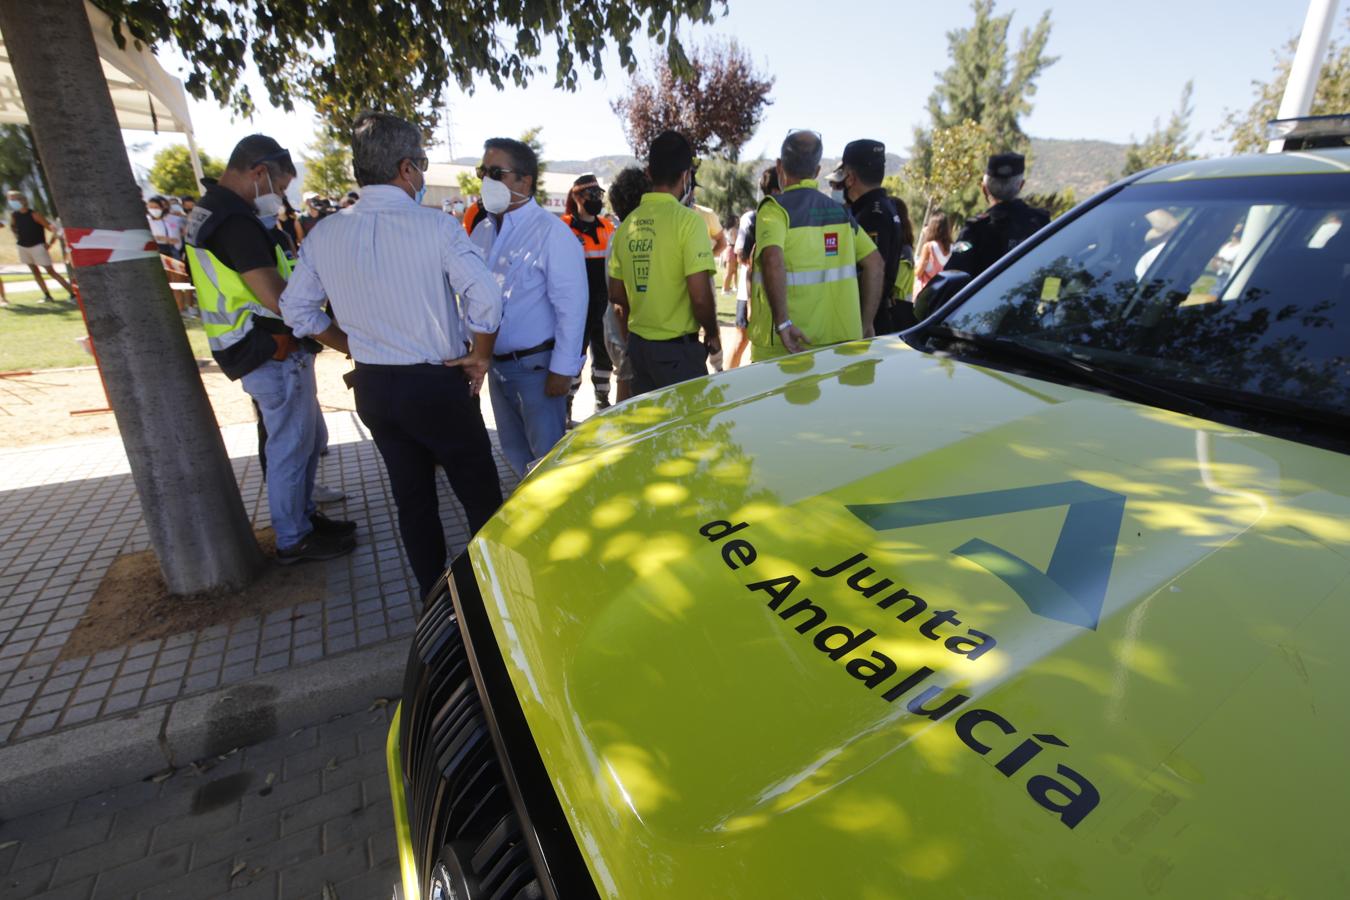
x=430 y=306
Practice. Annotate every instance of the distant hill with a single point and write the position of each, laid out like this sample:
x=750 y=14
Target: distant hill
x=1085 y=165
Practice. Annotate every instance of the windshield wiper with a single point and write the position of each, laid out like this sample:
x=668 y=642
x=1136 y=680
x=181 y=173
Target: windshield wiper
x=1126 y=386
x=1275 y=408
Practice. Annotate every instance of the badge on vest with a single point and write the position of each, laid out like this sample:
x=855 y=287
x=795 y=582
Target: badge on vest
x=832 y=243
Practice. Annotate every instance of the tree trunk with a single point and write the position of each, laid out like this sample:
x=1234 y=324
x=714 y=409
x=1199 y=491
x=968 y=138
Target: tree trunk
x=193 y=512
x=47 y=206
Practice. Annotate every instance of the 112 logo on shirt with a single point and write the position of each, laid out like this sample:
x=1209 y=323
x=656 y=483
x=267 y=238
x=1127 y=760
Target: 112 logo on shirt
x=831 y=244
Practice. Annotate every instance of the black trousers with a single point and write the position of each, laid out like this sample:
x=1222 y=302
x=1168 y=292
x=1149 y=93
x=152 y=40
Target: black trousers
x=658 y=364
x=422 y=417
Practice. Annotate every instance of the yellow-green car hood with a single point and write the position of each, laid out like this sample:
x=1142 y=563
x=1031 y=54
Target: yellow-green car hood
x=1076 y=647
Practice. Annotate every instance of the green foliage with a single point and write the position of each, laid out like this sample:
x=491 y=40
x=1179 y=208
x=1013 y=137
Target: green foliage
x=171 y=172
x=398 y=55
x=1057 y=204
x=1165 y=144
x=1246 y=130
x=531 y=138
x=328 y=164
x=729 y=188
x=19 y=166
x=950 y=180
x=984 y=86
x=469 y=185
x=716 y=101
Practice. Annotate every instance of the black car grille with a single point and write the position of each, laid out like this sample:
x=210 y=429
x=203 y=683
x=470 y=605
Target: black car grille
x=464 y=825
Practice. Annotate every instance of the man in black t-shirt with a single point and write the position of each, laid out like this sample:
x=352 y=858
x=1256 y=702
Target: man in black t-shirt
x=30 y=231
x=240 y=273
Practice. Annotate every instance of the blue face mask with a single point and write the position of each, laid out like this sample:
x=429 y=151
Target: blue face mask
x=15 y=205
x=419 y=193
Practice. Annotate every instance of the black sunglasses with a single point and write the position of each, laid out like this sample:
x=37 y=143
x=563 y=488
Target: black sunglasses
x=421 y=162
x=495 y=172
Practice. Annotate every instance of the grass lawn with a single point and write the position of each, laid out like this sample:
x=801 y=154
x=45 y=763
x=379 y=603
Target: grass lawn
x=28 y=276
x=37 y=335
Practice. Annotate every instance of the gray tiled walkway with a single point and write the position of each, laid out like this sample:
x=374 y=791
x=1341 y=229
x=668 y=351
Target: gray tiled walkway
x=304 y=815
x=67 y=512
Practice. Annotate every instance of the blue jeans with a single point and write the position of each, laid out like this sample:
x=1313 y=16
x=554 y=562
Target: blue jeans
x=288 y=399
x=529 y=423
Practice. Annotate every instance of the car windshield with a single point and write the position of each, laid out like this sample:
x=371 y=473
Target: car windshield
x=1236 y=286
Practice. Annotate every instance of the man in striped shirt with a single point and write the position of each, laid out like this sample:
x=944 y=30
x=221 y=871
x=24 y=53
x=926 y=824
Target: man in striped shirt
x=419 y=311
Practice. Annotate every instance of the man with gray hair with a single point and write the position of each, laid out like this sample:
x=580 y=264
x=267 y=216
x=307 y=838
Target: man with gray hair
x=239 y=274
x=1006 y=223
x=819 y=273
x=419 y=311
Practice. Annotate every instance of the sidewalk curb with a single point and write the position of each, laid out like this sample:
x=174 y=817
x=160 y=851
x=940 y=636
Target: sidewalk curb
x=70 y=764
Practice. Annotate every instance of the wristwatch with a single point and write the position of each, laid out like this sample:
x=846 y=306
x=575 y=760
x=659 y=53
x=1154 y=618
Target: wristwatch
x=787 y=323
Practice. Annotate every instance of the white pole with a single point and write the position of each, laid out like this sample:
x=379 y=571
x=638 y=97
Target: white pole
x=1307 y=64
x=196 y=161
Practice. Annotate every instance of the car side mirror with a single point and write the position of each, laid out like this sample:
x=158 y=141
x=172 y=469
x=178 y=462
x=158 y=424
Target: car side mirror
x=942 y=288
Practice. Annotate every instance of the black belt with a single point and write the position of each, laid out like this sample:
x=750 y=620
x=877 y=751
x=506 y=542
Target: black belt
x=691 y=338
x=521 y=354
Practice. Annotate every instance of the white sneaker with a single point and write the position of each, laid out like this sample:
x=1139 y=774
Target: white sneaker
x=324 y=494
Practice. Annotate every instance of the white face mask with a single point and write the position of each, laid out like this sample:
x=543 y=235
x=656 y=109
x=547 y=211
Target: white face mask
x=155 y=213
x=269 y=204
x=496 y=196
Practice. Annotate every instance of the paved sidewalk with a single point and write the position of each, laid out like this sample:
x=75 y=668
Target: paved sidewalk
x=288 y=818
x=67 y=512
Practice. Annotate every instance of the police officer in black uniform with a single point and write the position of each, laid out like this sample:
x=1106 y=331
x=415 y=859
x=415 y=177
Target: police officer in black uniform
x=859 y=176
x=1006 y=223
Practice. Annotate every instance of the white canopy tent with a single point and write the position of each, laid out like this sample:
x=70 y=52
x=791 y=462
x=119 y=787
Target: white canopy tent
x=146 y=97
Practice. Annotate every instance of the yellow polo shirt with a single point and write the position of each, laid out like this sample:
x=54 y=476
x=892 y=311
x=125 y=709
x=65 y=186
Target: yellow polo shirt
x=656 y=248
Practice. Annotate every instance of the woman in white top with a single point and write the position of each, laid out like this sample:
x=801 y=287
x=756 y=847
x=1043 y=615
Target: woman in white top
x=935 y=249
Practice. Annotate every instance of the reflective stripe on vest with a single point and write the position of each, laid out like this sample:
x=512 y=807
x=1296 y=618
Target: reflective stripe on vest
x=822 y=276
x=597 y=248
x=226 y=302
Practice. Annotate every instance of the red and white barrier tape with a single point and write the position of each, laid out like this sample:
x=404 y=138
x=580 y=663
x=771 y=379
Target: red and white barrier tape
x=96 y=246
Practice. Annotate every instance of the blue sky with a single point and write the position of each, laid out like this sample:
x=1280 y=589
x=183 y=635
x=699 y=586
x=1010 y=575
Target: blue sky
x=865 y=69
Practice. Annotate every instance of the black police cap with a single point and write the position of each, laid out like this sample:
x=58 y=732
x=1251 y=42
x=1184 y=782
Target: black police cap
x=865 y=152
x=1006 y=165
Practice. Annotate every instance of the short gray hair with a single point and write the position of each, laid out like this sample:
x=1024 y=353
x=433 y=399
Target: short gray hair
x=800 y=154
x=1004 y=189
x=380 y=141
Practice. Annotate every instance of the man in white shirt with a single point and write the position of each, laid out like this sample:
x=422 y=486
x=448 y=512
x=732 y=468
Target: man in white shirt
x=541 y=269
x=392 y=268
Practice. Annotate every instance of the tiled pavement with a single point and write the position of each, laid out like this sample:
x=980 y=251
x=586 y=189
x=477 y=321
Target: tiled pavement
x=67 y=512
x=288 y=818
